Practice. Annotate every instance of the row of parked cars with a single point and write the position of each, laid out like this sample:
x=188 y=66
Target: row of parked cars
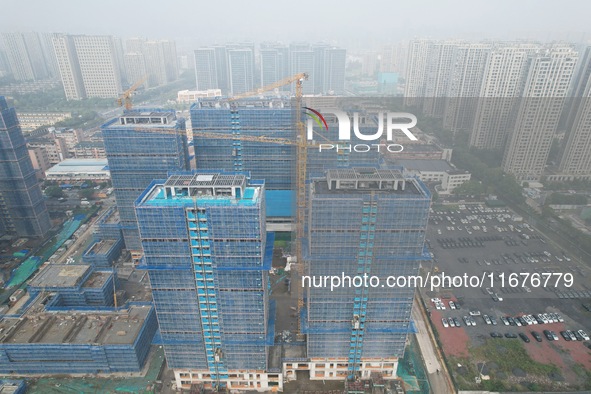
x=528 y=320
x=440 y=305
x=550 y=335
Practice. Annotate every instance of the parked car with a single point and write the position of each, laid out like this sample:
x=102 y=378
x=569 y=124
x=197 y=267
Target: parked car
x=510 y=335
x=496 y=335
x=445 y=323
x=548 y=335
x=524 y=337
x=536 y=336
x=565 y=335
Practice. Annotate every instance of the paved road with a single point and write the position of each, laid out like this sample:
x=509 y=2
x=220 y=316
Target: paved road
x=437 y=381
x=75 y=247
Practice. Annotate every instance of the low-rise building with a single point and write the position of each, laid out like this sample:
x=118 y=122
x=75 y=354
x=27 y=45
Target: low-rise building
x=73 y=170
x=40 y=161
x=89 y=150
x=76 y=342
x=30 y=121
x=436 y=171
x=75 y=285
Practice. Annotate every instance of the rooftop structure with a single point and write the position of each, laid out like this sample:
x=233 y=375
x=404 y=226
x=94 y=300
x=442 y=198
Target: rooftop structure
x=61 y=275
x=79 y=170
x=12 y=386
x=76 y=284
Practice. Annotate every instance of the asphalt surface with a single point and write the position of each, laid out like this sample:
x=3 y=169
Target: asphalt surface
x=513 y=248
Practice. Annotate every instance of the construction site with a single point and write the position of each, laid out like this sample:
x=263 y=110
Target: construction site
x=68 y=342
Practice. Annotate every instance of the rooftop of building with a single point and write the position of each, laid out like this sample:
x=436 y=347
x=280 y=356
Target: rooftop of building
x=207 y=188
x=145 y=118
x=266 y=100
x=364 y=180
x=97 y=279
x=79 y=166
x=116 y=328
x=102 y=246
x=10 y=386
x=425 y=165
x=60 y=275
x=90 y=144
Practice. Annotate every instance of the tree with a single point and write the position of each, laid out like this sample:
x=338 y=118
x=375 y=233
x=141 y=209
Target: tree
x=54 y=191
x=86 y=193
x=469 y=188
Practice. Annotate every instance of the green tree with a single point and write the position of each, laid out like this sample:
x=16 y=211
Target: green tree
x=54 y=191
x=469 y=188
x=86 y=193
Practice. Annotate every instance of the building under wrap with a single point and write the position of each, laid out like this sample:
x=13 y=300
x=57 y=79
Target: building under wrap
x=77 y=342
x=142 y=145
x=362 y=221
x=208 y=256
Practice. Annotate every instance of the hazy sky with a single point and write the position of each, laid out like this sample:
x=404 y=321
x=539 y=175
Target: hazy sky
x=347 y=23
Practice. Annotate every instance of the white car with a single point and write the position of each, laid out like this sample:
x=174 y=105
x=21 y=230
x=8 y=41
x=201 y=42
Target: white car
x=583 y=334
x=444 y=322
x=452 y=305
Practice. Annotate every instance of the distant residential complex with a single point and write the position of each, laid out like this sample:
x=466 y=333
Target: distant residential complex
x=30 y=56
x=154 y=60
x=509 y=96
x=232 y=68
x=30 y=121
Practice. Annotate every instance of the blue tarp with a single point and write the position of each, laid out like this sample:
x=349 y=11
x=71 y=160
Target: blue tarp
x=280 y=203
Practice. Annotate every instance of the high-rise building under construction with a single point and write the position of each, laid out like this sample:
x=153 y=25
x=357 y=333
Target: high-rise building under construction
x=142 y=145
x=362 y=221
x=208 y=256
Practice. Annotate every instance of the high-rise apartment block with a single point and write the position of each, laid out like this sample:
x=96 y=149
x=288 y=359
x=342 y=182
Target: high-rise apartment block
x=142 y=145
x=502 y=86
x=362 y=221
x=88 y=66
x=208 y=256
x=155 y=60
x=21 y=202
x=544 y=95
x=576 y=160
x=274 y=65
x=29 y=58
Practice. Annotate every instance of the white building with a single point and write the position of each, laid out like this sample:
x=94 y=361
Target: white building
x=73 y=170
x=88 y=66
x=546 y=88
x=502 y=85
x=190 y=96
x=436 y=171
x=576 y=159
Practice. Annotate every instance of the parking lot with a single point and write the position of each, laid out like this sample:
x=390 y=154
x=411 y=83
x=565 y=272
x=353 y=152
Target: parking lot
x=525 y=274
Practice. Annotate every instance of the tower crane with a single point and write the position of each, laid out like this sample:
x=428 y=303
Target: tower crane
x=125 y=99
